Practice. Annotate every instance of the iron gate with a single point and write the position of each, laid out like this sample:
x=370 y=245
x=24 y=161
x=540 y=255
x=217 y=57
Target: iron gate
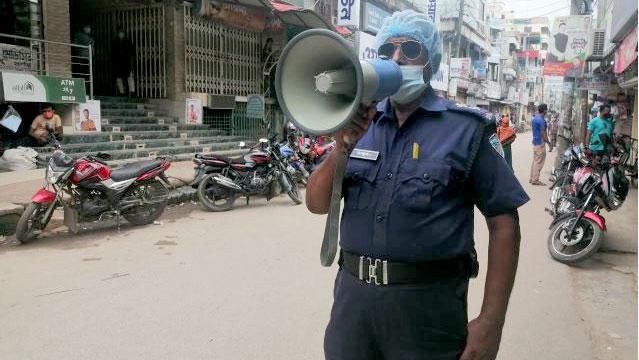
x=144 y=26
x=219 y=59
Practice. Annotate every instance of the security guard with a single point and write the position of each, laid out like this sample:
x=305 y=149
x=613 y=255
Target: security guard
x=419 y=165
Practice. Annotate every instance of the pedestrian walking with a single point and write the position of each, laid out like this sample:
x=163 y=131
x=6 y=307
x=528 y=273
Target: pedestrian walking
x=540 y=139
x=418 y=165
x=599 y=132
x=506 y=137
x=123 y=53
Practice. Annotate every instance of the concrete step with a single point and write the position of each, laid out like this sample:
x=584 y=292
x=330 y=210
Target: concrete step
x=139 y=135
x=109 y=112
x=120 y=99
x=132 y=120
x=151 y=127
x=146 y=153
x=126 y=106
x=146 y=144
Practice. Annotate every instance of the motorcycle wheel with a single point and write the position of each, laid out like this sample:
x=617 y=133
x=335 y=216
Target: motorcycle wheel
x=583 y=244
x=152 y=191
x=294 y=193
x=32 y=222
x=213 y=196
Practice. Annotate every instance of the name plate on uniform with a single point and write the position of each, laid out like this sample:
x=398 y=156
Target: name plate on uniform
x=365 y=154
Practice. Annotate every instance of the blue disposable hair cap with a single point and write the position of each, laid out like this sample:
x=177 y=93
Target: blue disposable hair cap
x=417 y=26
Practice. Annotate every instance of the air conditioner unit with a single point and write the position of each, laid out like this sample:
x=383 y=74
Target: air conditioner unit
x=597 y=43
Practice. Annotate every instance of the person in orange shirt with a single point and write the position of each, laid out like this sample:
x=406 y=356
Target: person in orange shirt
x=45 y=122
x=506 y=137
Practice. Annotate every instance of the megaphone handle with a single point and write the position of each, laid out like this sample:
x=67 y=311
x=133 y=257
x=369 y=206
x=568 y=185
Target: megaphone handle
x=331 y=231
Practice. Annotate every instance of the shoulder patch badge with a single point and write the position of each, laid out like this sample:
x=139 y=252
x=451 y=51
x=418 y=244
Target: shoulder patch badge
x=496 y=144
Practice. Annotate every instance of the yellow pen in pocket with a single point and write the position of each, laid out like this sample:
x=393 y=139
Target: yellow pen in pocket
x=415 y=151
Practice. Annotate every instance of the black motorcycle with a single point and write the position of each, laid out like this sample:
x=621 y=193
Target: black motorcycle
x=260 y=172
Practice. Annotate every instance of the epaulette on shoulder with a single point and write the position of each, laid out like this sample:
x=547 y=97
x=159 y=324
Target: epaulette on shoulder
x=484 y=116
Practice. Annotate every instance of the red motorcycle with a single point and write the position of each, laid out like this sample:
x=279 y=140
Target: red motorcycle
x=88 y=190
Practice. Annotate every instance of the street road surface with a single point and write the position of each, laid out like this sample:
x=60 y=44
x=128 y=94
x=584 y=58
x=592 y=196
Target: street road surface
x=247 y=284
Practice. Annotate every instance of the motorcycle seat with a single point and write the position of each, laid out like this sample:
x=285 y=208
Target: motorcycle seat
x=134 y=170
x=228 y=160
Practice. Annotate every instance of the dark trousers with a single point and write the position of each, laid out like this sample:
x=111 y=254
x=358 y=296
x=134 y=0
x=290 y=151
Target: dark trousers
x=397 y=322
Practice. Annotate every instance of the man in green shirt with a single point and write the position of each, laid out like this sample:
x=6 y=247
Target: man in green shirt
x=600 y=131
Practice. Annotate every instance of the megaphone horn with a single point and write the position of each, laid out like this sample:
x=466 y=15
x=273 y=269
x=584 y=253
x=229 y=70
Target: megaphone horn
x=320 y=82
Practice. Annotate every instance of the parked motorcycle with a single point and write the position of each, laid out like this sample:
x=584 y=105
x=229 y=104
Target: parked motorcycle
x=88 y=190
x=561 y=178
x=577 y=233
x=294 y=164
x=260 y=172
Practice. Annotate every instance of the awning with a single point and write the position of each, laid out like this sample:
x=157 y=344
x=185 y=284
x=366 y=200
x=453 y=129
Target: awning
x=298 y=16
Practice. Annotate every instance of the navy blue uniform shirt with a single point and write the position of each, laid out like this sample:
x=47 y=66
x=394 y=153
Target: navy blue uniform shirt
x=411 y=204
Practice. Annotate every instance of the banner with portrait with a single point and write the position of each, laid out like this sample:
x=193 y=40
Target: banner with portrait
x=568 y=47
x=87 y=117
x=194 y=111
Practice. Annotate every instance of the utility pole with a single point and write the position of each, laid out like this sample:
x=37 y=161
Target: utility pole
x=458 y=28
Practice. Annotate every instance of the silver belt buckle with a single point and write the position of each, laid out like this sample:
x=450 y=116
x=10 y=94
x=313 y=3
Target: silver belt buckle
x=372 y=271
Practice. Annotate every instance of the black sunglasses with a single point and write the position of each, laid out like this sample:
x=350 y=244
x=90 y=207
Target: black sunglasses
x=411 y=49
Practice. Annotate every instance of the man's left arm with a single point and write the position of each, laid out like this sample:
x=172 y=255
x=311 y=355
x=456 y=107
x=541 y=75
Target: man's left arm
x=58 y=126
x=484 y=332
x=497 y=193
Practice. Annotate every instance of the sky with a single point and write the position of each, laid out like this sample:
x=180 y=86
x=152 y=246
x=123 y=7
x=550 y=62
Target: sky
x=533 y=8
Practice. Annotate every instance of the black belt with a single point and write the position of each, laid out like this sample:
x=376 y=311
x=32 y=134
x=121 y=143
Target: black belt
x=383 y=272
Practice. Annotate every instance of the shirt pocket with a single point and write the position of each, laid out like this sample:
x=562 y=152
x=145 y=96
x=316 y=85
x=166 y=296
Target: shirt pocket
x=359 y=183
x=419 y=182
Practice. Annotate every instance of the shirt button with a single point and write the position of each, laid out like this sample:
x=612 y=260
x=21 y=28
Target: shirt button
x=389 y=175
x=379 y=218
x=426 y=175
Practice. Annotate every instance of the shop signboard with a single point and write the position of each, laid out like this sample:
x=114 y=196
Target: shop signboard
x=234 y=15
x=440 y=79
x=348 y=12
x=22 y=87
x=367 y=50
x=460 y=67
x=479 y=66
x=17 y=58
x=594 y=82
x=374 y=17
x=568 y=48
x=452 y=87
x=627 y=52
x=255 y=106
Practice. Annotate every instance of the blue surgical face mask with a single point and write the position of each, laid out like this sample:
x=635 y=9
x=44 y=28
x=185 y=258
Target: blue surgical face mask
x=413 y=84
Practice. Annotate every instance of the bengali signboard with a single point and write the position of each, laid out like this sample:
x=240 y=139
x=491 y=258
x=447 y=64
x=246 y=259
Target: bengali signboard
x=22 y=87
x=367 y=50
x=568 y=48
x=460 y=68
x=594 y=82
x=374 y=17
x=234 y=15
x=431 y=10
x=440 y=79
x=348 y=12
x=17 y=58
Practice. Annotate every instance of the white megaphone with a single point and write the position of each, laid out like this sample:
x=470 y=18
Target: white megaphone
x=320 y=82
